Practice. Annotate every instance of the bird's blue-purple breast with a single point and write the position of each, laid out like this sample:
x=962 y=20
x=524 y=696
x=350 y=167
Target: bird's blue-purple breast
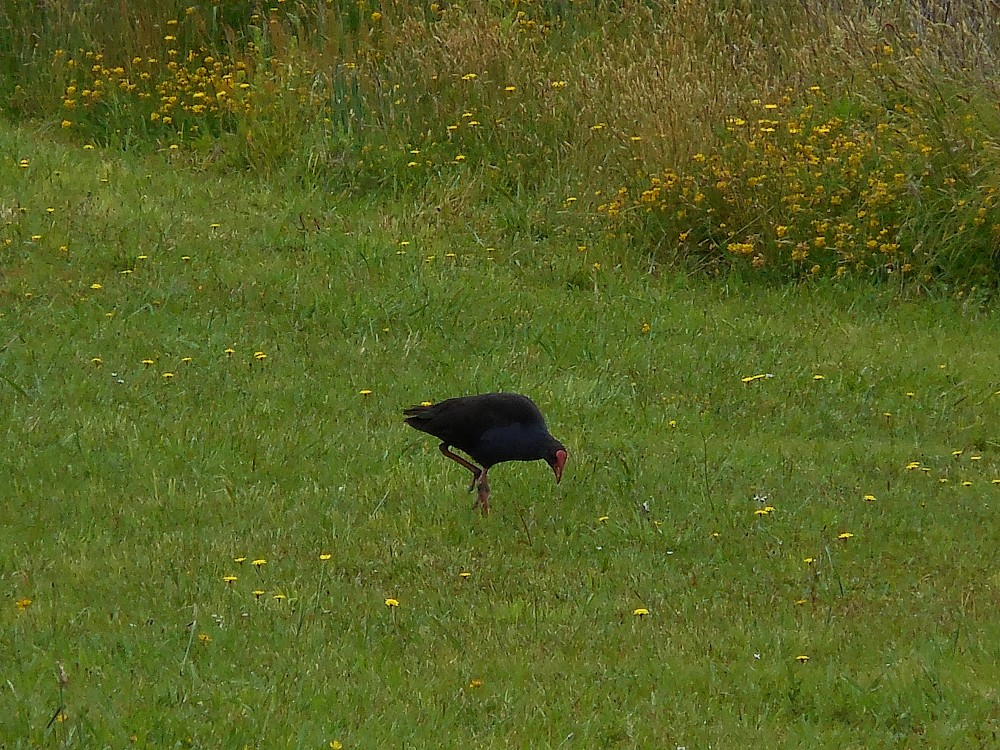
x=513 y=442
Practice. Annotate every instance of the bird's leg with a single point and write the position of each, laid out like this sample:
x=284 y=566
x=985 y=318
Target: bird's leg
x=476 y=471
x=483 y=496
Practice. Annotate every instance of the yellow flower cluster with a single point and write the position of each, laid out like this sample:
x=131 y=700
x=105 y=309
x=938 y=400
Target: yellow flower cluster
x=181 y=92
x=816 y=187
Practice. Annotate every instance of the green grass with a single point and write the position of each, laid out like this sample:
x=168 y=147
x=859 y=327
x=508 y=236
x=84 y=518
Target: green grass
x=128 y=495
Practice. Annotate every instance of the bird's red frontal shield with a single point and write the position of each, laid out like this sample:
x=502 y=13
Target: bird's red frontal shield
x=558 y=464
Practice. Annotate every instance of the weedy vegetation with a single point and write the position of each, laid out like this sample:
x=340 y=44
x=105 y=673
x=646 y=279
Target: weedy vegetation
x=743 y=255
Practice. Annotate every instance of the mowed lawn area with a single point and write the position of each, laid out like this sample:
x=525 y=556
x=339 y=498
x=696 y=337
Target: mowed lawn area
x=777 y=525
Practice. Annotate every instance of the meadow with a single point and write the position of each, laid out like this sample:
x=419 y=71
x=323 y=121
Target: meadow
x=776 y=526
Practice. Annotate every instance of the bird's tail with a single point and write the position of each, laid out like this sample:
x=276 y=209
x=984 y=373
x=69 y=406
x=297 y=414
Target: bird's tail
x=418 y=416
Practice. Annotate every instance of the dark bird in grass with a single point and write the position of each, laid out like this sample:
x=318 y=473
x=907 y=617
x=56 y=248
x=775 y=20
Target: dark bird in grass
x=490 y=428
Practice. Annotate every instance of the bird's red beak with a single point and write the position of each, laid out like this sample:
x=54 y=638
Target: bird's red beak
x=558 y=464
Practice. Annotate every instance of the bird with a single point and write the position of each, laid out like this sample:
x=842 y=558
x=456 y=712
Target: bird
x=490 y=428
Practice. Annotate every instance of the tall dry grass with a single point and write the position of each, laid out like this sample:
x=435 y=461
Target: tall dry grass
x=566 y=102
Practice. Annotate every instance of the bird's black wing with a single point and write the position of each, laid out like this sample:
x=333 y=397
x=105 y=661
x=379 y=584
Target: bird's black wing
x=462 y=421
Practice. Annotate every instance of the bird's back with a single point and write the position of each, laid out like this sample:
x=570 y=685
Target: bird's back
x=462 y=422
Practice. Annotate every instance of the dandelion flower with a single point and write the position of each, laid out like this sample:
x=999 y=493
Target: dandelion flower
x=869 y=498
x=167 y=375
x=646 y=328
x=229 y=579
x=204 y=638
x=258 y=593
x=802 y=658
x=258 y=562
x=465 y=574
x=365 y=392
x=845 y=535
x=640 y=612
x=325 y=556
x=819 y=377
x=334 y=745
x=392 y=603
x=809 y=560
x=97 y=361
x=95 y=285
x=913 y=465
x=229 y=352
x=23 y=604
x=280 y=597
x=476 y=683
x=259 y=356
x=239 y=560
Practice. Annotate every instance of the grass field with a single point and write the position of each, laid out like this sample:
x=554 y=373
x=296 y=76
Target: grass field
x=749 y=277
x=185 y=368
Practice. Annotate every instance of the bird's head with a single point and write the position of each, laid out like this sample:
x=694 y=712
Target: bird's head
x=557 y=461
